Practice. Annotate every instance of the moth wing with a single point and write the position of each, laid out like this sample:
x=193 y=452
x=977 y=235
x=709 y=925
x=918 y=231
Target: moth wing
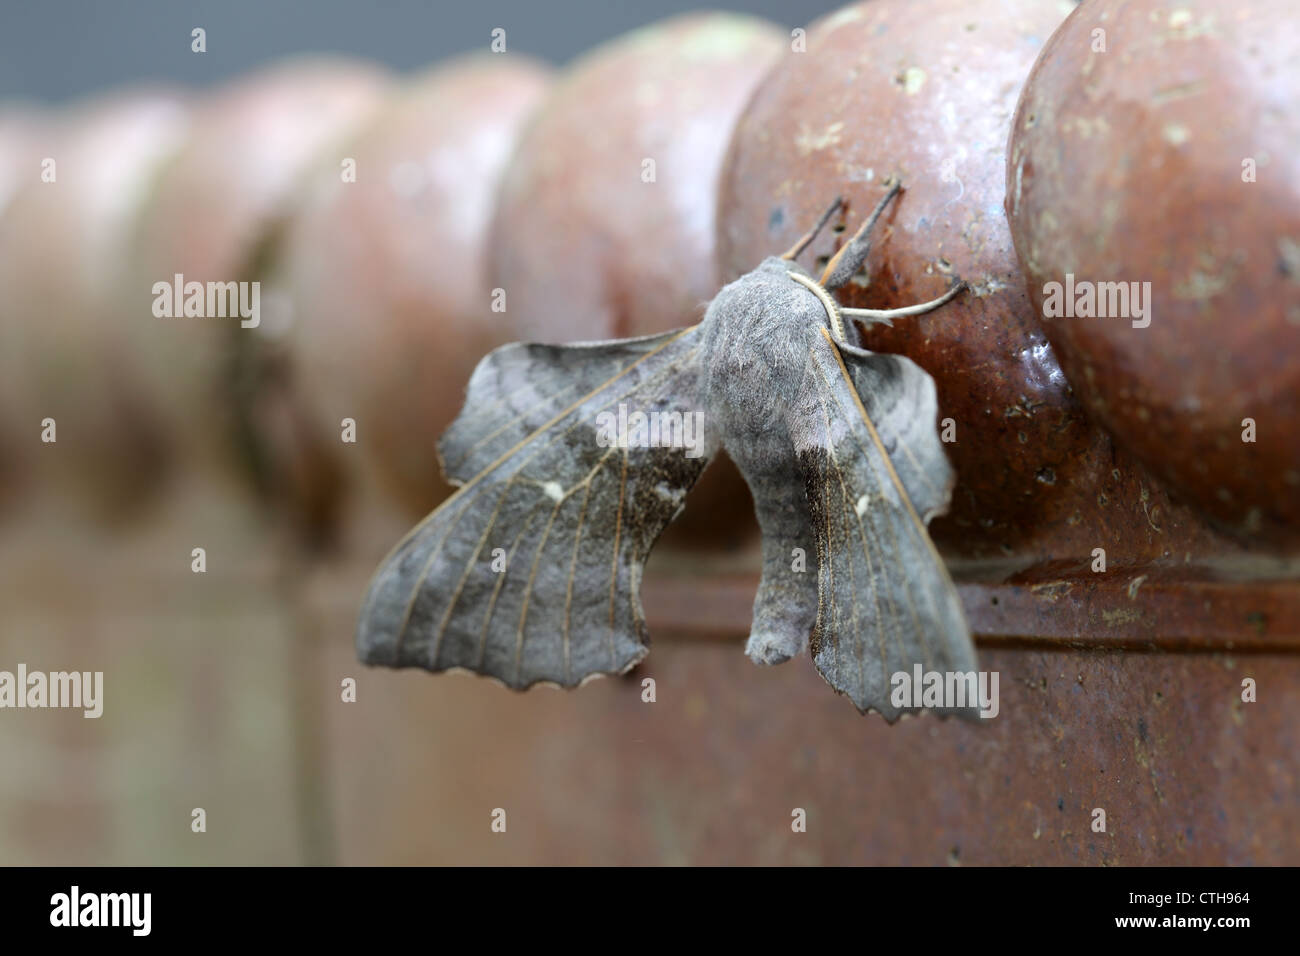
x=531 y=571
x=519 y=388
x=875 y=473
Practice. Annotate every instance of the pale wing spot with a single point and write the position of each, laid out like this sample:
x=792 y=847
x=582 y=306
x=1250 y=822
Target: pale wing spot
x=553 y=491
x=861 y=506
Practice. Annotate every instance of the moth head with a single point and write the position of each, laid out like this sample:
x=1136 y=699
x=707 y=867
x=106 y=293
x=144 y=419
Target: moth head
x=845 y=264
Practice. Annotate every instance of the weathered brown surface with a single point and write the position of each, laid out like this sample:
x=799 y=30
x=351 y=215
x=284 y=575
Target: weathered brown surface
x=62 y=252
x=1236 y=606
x=196 y=673
x=205 y=216
x=1186 y=771
x=924 y=91
x=392 y=308
x=1127 y=165
x=584 y=246
x=220 y=694
x=711 y=772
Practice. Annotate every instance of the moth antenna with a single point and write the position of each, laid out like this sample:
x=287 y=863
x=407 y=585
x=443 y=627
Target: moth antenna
x=829 y=304
x=884 y=315
x=794 y=251
x=849 y=259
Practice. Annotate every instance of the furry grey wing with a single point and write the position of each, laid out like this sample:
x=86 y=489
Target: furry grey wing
x=531 y=570
x=517 y=388
x=874 y=472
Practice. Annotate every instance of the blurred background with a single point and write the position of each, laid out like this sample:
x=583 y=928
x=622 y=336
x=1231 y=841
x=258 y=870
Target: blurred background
x=203 y=524
x=129 y=43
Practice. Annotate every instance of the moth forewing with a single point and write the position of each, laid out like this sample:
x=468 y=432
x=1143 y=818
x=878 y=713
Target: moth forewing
x=517 y=389
x=866 y=440
x=529 y=572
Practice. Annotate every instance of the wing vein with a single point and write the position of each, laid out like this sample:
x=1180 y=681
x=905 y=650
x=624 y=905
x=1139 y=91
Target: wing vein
x=501 y=580
x=537 y=557
x=469 y=566
x=613 y=563
x=888 y=633
x=573 y=562
x=424 y=570
x=884 y=493
x=498 y=430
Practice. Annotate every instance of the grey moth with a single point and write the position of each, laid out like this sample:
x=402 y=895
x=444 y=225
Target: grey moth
x=531 y=571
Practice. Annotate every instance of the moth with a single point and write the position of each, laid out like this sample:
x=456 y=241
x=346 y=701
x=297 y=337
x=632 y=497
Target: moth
x=531 y=571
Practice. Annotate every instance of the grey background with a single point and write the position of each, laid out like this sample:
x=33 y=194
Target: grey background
x=57 y=50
